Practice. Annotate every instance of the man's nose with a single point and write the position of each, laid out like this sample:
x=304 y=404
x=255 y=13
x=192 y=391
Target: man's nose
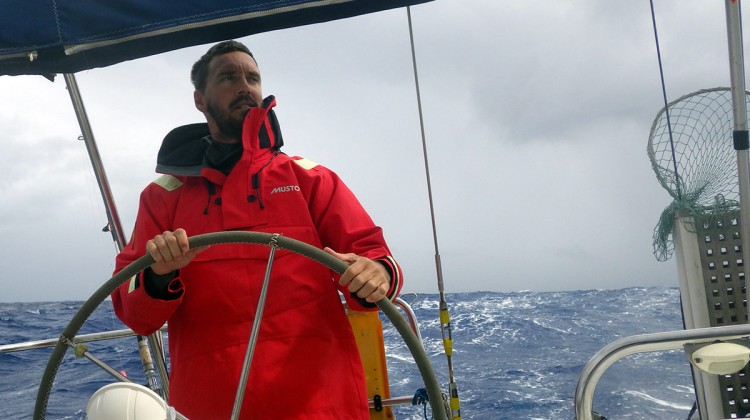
x=244 y=86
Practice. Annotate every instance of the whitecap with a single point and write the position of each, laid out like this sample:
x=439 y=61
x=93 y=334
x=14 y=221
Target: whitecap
x=663 y=403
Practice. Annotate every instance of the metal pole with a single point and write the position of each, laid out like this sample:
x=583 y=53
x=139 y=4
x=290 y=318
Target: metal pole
x=113 y=218
x=670 y=340
x=51 y=342
x=445 y=323
x=737 y=75
x=254 y=332
x=96 y=162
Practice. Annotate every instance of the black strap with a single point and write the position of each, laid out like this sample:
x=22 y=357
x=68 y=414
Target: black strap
x=740 y=140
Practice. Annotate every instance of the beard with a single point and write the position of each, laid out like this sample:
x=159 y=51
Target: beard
x=230 y=126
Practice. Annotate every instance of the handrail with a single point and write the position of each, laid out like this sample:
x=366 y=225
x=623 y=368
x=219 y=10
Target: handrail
x=643 y=343
x=124 y=333
x=393 y=401
x=114 y=334
x=83 y=338
x=410 y=316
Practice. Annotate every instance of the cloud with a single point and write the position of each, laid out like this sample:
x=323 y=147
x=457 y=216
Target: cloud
x=536 y=117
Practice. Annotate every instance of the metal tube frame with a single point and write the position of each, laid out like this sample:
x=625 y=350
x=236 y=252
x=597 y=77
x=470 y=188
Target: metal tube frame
x=643 y=343
x=410 y=316
x=83 y=338
x=253 y=340
x=113 y=218
x=124 y=333
x=737 y=76
x=113 y=223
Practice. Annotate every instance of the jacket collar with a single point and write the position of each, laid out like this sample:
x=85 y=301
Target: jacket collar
x=182 y=150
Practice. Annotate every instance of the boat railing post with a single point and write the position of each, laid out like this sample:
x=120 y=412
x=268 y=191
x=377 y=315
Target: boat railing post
x=644 y=343
x=113 y=219
x=410 y=316
x=740 y=134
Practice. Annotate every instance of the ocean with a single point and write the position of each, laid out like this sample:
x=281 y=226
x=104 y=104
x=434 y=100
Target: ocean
x=516 y=355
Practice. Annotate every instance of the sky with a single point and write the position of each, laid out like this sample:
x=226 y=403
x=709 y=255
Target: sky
x=536 y=116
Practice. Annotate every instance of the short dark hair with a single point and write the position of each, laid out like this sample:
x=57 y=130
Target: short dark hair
x=199 y=72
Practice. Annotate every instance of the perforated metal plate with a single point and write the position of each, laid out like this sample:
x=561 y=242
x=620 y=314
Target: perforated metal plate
x=724 y=277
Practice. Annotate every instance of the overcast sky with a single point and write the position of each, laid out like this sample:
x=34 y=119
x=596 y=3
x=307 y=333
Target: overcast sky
x=537 y=116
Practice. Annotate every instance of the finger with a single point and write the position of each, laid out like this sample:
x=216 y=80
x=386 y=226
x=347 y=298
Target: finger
x=347 y=258
x=182 y=239
x=153 y=250
x=363 y=289
x=378 y=282
x=380 y=288
x=354 y=273
x=195 y=251
x=373 y=290
x=379 y=293
x=365 y=281
x=174 y=249
x=162 y=248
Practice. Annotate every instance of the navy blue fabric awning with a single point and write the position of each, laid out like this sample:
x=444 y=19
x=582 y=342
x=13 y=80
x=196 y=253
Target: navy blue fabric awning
x=65 y=36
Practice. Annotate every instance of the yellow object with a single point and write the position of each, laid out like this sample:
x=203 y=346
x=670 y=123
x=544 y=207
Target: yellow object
x=305 y=163
x=448 y=345
x=168 y=182
x=455 y=404
x=445 y=316
x=368 y=331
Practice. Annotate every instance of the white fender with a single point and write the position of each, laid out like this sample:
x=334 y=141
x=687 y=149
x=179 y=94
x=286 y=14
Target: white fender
x=126 y=401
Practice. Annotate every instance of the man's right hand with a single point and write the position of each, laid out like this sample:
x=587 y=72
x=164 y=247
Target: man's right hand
x=171 y=251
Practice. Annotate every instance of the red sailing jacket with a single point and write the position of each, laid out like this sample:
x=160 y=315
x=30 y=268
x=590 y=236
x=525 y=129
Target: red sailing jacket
x=306 y=364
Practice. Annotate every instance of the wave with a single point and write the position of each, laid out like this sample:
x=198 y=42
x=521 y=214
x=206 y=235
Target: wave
x=516 y=354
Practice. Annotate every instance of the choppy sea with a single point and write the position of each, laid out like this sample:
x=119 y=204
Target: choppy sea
x=516 y=355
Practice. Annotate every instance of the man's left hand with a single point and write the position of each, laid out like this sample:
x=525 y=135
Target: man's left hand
x=365 y=277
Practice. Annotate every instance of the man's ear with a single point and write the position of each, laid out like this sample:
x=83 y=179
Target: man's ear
x=198 y=99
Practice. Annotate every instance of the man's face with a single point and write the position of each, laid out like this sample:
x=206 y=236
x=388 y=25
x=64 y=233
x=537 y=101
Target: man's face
x=232 y=88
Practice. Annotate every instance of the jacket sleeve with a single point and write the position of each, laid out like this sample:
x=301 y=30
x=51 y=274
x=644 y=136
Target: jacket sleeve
x=344 y=225
x=132 y=302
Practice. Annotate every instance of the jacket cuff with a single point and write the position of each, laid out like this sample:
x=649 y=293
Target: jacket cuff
x=162 y=286
x=395 y=271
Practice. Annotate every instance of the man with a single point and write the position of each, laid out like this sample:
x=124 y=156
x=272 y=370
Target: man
x=229 y=174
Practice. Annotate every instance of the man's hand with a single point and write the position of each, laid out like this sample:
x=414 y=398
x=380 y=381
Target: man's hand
x=171 y=251
x=365 y=277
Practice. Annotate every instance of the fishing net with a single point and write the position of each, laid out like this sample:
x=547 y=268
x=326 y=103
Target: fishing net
x=697 y=164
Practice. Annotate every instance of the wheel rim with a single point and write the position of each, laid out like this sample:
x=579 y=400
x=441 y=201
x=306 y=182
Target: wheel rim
x=258 y=238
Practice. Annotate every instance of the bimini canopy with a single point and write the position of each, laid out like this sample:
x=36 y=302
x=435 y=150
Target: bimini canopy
x=48 y=37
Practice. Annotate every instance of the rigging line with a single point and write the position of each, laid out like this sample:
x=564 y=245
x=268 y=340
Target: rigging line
x=424 y=143
x=666 y=104
x=671 y=145
x=445 y=324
